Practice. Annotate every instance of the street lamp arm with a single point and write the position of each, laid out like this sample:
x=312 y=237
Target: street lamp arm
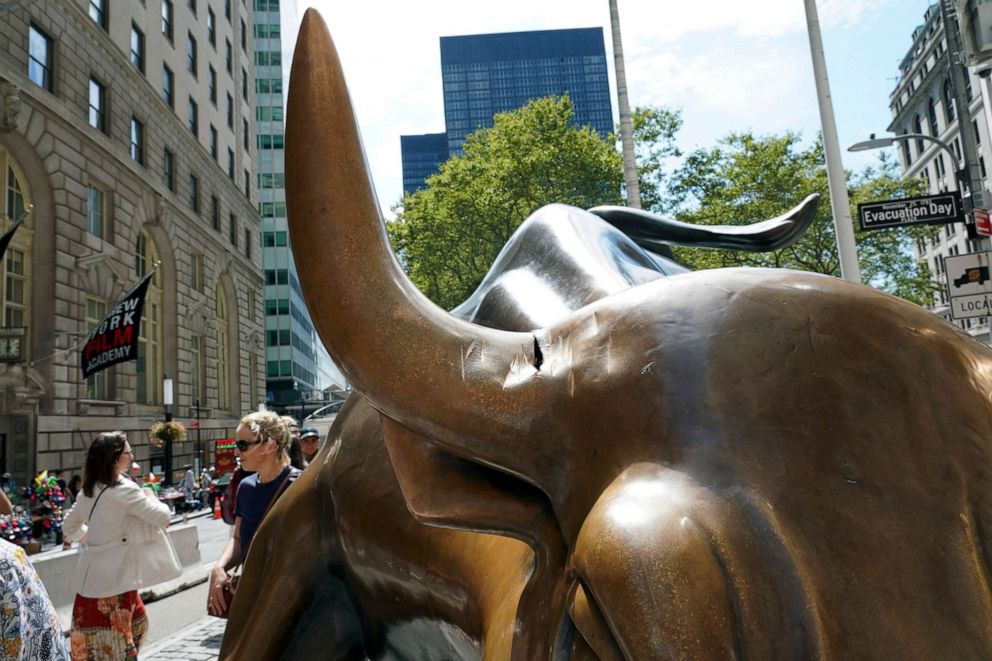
x=878 y=143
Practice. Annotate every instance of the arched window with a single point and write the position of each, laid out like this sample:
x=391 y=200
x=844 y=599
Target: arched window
x=16 y=265
x=149 y=363
x=223 y=347
x=932 y=117
x=948 y=102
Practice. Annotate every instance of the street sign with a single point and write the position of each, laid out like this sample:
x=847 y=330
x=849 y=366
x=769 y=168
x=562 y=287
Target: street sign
x=969 y=285
x=930 y=210
x=982 y=224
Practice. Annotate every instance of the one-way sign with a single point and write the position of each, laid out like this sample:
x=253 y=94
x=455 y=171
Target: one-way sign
x=929 y=209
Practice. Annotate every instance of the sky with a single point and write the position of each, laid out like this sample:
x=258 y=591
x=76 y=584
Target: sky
x=728 y=66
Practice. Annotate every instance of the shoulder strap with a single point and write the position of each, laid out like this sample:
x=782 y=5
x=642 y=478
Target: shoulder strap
x=95 y=502
x=278 y=492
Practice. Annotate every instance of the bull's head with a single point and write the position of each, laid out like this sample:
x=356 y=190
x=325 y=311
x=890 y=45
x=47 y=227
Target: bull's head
x=741 y=463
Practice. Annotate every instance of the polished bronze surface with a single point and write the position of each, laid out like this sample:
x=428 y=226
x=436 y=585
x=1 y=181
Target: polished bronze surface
x=725 y=464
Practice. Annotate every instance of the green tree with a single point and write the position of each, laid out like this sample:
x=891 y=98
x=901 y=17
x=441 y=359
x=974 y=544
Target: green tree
x=654 y=144
x=745 y=178
x=449 y=233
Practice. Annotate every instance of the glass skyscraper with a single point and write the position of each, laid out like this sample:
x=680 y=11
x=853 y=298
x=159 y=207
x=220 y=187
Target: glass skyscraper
x=489 y=73
x=295 y=360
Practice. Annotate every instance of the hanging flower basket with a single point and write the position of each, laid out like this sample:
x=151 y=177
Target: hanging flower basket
x=166 y=431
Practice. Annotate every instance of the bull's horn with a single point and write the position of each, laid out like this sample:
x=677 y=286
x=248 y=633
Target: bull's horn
x=465 y=386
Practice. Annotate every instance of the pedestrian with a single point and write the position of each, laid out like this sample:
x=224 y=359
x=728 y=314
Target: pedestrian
x=108 y=616
x=262 y=440
x=189 y=487
x=206 y=488
x=310 y=441
x=296 y=459
x=29 y=627
x=73 y=489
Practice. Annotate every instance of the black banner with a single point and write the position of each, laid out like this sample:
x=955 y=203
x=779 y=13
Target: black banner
x=115 y=339
x=8 y=235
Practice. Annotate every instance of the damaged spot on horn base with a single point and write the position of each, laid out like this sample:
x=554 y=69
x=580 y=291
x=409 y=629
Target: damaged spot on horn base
x=538 y=356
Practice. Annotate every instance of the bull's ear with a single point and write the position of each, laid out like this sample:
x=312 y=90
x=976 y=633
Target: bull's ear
x=443 y=490
x=448 y=491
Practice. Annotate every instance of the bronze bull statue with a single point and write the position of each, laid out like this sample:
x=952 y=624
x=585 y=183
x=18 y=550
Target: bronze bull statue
x=748 y=464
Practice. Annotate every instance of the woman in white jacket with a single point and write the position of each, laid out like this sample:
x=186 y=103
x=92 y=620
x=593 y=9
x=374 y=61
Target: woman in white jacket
x=108 y=617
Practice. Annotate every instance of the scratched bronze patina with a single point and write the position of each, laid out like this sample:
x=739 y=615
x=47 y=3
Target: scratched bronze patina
x=748 y=464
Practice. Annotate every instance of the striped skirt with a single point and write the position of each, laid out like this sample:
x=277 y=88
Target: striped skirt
x=108 y=628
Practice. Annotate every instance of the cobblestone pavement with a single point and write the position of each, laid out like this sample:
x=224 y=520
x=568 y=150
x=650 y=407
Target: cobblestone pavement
x=199 y=641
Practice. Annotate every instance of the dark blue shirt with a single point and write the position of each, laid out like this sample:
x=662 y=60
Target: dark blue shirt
x=254 y=498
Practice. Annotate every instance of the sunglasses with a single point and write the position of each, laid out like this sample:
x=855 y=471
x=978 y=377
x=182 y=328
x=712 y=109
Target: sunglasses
x=244 y=445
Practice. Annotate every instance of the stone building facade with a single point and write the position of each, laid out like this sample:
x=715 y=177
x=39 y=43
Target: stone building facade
x=922 y=102
x=126 y=126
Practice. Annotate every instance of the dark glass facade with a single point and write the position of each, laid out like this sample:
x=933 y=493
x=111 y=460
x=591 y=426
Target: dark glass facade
x=489 y=73
x=422 y=156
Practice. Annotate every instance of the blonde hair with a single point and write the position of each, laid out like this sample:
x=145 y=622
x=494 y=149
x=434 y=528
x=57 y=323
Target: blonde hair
x=268 y=424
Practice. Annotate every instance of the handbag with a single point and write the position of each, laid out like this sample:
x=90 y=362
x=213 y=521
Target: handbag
x=153 y=554
x=231 y=587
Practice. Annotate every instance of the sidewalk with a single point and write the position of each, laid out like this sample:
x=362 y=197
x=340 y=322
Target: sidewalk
x=199 y=641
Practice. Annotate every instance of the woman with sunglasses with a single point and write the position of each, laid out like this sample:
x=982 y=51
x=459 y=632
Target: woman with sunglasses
x=108 y=616
x=262 y=444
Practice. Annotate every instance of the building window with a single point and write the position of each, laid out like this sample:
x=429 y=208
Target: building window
x=906 y=155
x=233 y=233
x=978 y=134
x=229 y=57
x=148 y=367
x=211 y=27
x=98 y=12
x=244 y=36
x=15 y=285
x=98 y=105
x=196 y=366
x=196 y=272
x=918 y=128
x=194 y=193
x=230 y=163
x=40 y=58
x=223 y=347
x=246 y=132
x=251 y=304
x=96 y=385
x=192 y=6
x=932 y=117
x=948 y=102
x=227 y=9
x=213 y=142
x=244 y=83
x=137 y=48
x=137 y=141
x=168 y=86
x=215 y=212
x=247 y=243
x=212 y=85
x=169 y=170
x=193 y=117
x=247 y=184
x=191 y=53
x=167 y=14
x=96 y=211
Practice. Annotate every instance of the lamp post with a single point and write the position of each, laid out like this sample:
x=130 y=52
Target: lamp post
x=167 y=401
x=199 y=447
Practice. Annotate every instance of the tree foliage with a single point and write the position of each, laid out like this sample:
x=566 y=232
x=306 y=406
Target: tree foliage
x=745 y=178
x=449 y=233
